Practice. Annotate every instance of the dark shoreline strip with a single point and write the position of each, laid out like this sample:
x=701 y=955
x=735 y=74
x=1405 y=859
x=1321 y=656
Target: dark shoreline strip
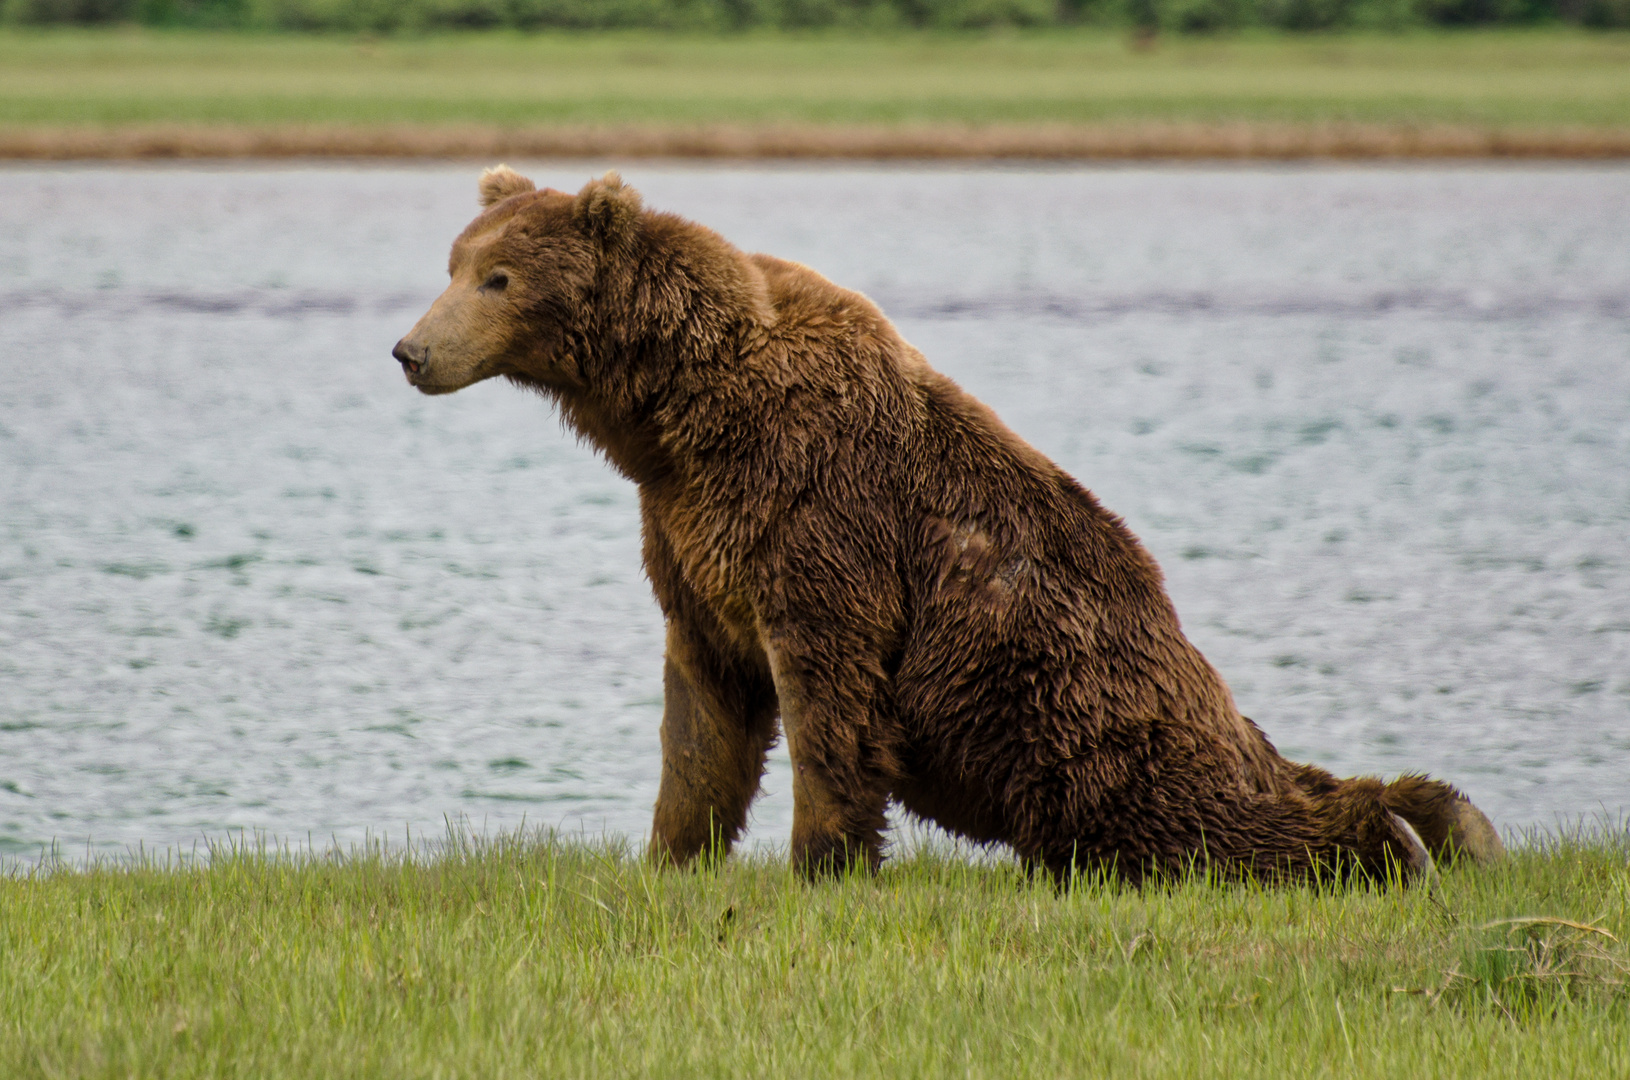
x=1035 y=142
x=1083 y=307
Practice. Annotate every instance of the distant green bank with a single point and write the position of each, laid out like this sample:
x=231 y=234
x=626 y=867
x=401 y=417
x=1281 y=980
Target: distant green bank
x=1489 y=79
x=532 y=958
x=867 y=16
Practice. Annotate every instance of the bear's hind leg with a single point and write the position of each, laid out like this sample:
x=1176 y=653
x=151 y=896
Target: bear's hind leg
x=1328 y=826
x=716 y=732
x=1445 y=820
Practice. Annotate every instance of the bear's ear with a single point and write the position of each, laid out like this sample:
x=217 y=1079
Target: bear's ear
x=500 y=182
x=607 y=208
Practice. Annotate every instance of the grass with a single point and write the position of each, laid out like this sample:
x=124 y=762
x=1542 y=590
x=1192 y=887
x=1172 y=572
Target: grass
x=88 y=78
x=531 y=957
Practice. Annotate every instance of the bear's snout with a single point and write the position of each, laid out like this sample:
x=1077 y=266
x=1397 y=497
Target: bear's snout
x=410 y=356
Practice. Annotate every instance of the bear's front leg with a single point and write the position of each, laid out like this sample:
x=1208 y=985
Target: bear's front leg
x=841 y=763
x=718 y=721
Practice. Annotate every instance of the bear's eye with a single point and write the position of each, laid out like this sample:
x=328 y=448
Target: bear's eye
x=497 y=282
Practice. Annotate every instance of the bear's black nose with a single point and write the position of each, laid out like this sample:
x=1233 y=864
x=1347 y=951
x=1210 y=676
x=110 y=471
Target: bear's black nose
x=409 y=356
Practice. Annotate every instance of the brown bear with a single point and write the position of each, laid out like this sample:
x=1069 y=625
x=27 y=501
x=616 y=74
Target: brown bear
x=847 y=545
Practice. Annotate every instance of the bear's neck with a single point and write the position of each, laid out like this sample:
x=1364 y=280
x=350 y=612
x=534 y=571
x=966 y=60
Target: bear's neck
x=660 y=350
x=630 y=442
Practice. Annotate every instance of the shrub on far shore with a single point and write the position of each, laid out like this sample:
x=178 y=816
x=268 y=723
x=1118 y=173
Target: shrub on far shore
x=717 y=16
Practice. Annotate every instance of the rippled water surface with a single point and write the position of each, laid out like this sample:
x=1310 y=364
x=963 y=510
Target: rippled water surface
x=1374 y=423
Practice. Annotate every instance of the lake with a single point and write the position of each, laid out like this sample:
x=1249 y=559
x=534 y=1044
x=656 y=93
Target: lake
x=1374 y=423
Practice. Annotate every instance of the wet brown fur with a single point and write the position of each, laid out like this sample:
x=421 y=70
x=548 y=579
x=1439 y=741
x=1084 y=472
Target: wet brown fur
x=843 y=540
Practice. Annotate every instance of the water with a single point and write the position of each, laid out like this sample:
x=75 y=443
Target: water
x=1374 y=423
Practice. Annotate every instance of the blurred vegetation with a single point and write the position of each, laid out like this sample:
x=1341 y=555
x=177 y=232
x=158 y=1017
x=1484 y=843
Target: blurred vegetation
x=116 y=78
x=1147 y=16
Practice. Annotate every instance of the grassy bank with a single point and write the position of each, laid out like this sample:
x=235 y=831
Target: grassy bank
x=1056 y=93
x=541 y=959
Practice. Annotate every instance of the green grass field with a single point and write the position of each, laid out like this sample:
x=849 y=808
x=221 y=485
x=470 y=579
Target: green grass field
x=1482 y=78
x=536 y=958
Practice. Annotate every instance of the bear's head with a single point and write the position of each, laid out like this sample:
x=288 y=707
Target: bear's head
x=523 y=276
